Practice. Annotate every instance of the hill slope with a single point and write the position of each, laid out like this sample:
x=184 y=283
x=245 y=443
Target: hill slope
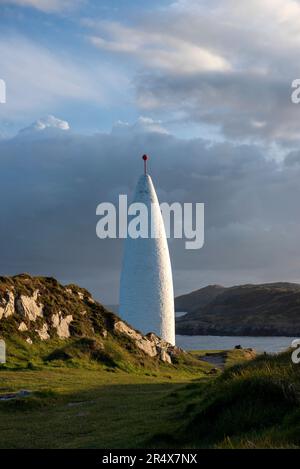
x=198 y=298
x=39 y=316
x=259 y=310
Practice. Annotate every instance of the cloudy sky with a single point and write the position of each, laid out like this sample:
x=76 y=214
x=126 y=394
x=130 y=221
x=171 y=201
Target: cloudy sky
x=203 y=86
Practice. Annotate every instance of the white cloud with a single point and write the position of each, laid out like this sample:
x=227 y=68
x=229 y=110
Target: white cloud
x=156 y=48
x=49 y=122
x=45 y=127
x=141 y=126
x=47 y=6
x=221 y=63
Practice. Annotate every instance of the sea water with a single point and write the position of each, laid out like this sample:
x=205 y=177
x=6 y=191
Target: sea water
x=211 y=342
x=214 y=342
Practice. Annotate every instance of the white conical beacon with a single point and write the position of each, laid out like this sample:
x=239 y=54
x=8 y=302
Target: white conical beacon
x=146 y=287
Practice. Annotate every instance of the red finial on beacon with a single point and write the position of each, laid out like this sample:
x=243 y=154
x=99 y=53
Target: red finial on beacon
x=145 y=158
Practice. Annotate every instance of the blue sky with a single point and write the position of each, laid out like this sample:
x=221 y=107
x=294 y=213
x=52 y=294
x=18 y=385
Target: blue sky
x=203 y=86
x=62 y=33
x=209 y=69
x=40 y=38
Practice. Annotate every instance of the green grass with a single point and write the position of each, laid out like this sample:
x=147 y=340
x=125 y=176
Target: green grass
x=88 y=393
x=229 y=357
x=81 y=402
x=254 y=404
x=87 y=409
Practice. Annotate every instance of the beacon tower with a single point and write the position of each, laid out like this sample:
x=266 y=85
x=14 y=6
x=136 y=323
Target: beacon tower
x=146 y=286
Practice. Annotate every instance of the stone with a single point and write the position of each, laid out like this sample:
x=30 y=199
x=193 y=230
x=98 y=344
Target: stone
x=28 y=306
x=141 y=341
x=22 y=327
x=165 y=357
x=9 y=308
x=43 y=332
x=61 y=324
x=29 y=341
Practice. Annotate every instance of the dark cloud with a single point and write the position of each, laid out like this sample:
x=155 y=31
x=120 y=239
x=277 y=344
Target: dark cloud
x=243 y=105
x=50 y=187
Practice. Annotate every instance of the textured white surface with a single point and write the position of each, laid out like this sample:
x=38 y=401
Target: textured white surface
x=146 y=287
x=9 y=308
x=43 y=332
x=28 y=306
x=62 y=324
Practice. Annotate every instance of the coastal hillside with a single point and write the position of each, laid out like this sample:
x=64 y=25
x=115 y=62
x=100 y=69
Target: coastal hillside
x=198 y=298
x=89 y=374
x=38 y=315
x=271 y=309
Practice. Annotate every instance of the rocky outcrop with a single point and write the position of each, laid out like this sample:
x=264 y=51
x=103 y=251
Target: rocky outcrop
x=142 y=342
x=33 y=311
x=43 y=332
x=150 y=344
x=41 y=309
x=164 y=348
x=7 y=307
x=29 y=306
x=61 y=324
x=165 y=357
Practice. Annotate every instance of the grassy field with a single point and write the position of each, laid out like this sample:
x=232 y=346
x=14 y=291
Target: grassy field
x=99 y=389
x=82 y=404
x=80 y=408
